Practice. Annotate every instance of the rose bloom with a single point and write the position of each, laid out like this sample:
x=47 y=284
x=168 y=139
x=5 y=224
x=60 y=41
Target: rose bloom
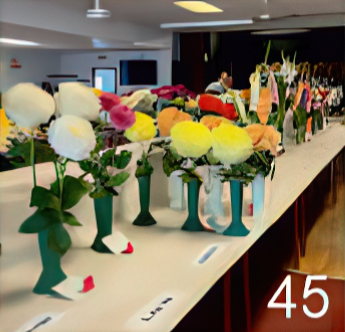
x=28 y=105
x=109 y=100
x=72 y=137
x=191 y=139
x=231 y=144
x=77 y=99
x=122 y=117
x=143 y=128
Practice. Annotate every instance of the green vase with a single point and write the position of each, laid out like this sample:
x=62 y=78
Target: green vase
x=193 y=223
x=144 y=218
x=104 y=219
x=52 y=273
x=236 y=227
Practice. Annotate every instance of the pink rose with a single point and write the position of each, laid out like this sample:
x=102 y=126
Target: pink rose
x=109 y=100
x=122 y=117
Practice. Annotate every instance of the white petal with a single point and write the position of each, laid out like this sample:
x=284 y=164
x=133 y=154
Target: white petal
x=77 y=99
x=28 y=105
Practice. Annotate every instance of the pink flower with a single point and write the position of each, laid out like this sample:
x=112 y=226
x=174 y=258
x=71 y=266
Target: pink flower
x=122 y=117
x=109 y=100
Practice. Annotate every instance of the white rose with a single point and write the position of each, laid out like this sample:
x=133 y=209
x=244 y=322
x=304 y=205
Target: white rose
x=79 y=100
x=28 y=105
x=72 y=137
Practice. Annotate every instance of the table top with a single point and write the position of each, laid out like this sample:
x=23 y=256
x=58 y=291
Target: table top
x=164 y=263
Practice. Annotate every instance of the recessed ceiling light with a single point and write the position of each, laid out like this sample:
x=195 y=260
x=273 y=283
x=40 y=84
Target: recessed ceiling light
x=204 y=24
x=17 y=42
x=198 y=6
x=280 y=32
x=264 y=17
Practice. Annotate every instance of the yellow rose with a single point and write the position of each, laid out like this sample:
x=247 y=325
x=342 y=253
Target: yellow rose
x=231 y=144
x=143 y=128
x=191 y=139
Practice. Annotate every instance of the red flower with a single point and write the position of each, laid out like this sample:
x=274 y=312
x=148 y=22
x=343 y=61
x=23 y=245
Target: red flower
x=109 y=100
x=122 y=117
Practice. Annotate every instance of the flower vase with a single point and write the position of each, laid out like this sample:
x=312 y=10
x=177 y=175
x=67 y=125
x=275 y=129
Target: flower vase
x=52 y=273
x=258 y=189
x=144 y=218
x=193 y=223
x=104 y=219
x=236 y=227
x=300 y=134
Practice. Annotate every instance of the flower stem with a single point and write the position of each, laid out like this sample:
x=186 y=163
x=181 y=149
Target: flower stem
x=32 y=161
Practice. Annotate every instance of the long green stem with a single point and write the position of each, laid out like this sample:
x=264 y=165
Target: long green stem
x=32 y=161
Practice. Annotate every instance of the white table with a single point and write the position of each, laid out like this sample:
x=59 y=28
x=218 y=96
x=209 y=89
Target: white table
x=164 y=262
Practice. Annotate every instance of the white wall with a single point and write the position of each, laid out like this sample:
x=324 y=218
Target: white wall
x=82 y=64
x=36 y=65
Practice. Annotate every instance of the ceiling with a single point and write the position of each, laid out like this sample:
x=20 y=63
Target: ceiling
x=62 y=24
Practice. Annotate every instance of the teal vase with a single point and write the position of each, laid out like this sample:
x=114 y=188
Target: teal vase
x=236 y=227
x=104 y=219
x=52 y=273
x=193 y=223
x=144 y=218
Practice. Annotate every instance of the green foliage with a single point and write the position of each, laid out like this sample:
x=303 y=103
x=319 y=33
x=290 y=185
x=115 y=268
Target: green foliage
x=51 y=212
x=144 y=168
x=102 y=168
x=259 y=162
x=19 y=152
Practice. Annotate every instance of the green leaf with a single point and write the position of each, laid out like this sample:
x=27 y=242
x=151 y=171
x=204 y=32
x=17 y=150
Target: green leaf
x=143 y=167
x=54 y=188
x=108 y=157
x=70 y=219
x=211 y=158
x=58 y=239
x=117 y=180
x=44 y=198
x=123 y=159
x=99 y=193
x=21 y=151
x=86 y=165
x=185 y=178
x=170 y=164
x=39 y=221
x=73 y=190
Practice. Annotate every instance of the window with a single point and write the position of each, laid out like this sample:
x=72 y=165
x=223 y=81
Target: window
x=104 y=79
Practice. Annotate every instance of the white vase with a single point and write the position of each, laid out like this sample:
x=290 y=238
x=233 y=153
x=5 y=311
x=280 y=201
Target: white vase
x=176 y=192
x=258 y=187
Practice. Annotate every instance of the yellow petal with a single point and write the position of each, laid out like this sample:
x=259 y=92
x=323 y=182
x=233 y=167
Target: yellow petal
x=231 y=144
x=143 y=128
x=191 y=139
x=97 y=92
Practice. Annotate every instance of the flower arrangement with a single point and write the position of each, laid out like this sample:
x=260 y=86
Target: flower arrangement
x=29 y=106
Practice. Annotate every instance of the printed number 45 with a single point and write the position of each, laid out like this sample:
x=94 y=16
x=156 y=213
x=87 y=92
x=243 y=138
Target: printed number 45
x=307 y=292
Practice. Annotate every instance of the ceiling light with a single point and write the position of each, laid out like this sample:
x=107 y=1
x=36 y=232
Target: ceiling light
x=264 y=17
x=97 y=12
x=204 y=24
x=280 y=32
x=17 y=42
x=198 y=6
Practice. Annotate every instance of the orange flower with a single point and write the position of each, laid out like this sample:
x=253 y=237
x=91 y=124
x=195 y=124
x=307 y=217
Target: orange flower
x=245 y=94
x=264 y=105
x=212 y=121
x=169 y=117
x=264 y=137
